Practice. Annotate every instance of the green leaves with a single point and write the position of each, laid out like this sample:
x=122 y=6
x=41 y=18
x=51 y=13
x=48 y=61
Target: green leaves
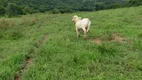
x=13 y=9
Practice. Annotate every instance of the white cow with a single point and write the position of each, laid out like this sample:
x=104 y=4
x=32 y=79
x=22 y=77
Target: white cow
x=83 y=24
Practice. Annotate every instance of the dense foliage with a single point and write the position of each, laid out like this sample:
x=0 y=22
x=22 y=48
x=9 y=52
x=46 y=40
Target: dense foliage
x=15 y=7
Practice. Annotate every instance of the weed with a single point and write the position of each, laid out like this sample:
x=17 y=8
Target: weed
x=137 y=45
x=16 y=35
x=107 y=36
x=140 y=35
x=106 y=49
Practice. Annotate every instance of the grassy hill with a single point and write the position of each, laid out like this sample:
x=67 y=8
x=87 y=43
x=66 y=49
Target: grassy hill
x=45 y=47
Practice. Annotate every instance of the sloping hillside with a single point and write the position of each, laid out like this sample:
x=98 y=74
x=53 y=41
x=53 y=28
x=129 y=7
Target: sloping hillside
x=45 y=47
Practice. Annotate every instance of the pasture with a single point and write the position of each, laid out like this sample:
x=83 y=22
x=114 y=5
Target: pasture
x=45 y=47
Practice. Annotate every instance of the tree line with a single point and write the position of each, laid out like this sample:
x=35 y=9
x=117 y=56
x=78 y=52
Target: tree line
x=21 y=7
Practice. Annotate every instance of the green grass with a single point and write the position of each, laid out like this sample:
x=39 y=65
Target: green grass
x=63 y=56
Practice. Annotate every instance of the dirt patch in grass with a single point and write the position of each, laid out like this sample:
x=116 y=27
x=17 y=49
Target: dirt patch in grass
x=28 y=60
x=44 y=38
x=118 y=38
x=96 y=40
x=115 y=37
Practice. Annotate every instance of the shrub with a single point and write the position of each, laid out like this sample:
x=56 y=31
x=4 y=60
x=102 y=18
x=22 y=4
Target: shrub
x=2 y=10
x=42 y=8
x=100 y=6
x=116 y=6
x=134 y=2
x=66 y=10
x=29 y=10
x=55 y=11
x=13 y=9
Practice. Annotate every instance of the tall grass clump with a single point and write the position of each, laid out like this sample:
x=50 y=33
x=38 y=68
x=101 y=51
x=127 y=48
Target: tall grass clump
x=107 y=49
x=16 y=35
x=6 y=23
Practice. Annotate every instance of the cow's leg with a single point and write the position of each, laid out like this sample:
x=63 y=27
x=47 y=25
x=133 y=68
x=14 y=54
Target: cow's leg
x=85 y=33
x=77 y=32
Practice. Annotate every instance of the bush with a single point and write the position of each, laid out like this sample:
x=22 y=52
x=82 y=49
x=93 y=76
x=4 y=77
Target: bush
x=116 y=6
x=66 y=10
x=55 y=11
x=135 y=2
x=13 y=10
x=42 y=9
x=2 y=10
x=100 y=6
x=29 y=10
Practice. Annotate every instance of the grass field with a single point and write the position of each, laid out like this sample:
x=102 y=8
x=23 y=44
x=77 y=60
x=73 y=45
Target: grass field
x=45 y=47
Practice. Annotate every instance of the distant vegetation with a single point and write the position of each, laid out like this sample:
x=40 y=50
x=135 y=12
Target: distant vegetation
x=20 y=7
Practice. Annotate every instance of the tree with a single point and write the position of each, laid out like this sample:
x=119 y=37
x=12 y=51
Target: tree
x=42 y=8
x=62 y=6
x=100 y=6
x=13 y=10
x=135 y=2
x=2 y=10
x=88 y=6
